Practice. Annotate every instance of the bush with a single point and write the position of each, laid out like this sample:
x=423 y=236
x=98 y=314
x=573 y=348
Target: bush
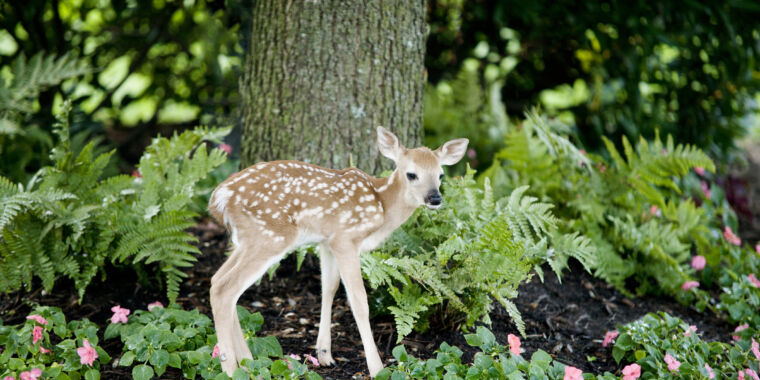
x=456 y=261
x=630 y=207
x=68 y=221
x=53 y=350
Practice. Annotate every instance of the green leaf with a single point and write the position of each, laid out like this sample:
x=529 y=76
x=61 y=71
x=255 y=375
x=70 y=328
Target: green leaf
x=175 y=361
x=399 y=352
x=473 y=340
x=240 y=374
x=159 y=359
x=142 y=372
x=92 y=374
x=127 y=359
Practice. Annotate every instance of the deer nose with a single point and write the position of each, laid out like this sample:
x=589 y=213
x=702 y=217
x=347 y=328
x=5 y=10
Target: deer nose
x=433 y=198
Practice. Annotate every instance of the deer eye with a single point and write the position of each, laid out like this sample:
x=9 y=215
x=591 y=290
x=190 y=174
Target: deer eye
x=411 y=176
x=440 y=177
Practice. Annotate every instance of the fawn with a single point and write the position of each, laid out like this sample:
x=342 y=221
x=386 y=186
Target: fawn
x=273 y=207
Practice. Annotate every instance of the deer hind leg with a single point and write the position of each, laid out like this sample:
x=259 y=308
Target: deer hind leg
x=330 y=282
x=251 y=260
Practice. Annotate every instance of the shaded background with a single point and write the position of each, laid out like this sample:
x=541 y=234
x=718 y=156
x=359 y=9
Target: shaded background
x=606 y=68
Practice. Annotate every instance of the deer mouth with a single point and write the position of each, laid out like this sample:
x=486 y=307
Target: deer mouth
x=432 y=206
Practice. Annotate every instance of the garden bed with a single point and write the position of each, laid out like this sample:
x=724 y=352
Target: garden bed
x=567 y=319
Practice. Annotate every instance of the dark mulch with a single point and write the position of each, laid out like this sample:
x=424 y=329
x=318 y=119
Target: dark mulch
x=566 y=319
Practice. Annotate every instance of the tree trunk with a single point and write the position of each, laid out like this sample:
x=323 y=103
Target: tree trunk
x=320 y=75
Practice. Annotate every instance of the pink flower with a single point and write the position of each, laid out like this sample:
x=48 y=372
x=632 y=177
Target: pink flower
x=295 y=357
x=602 y=168
x=741 y=375
x=44 y=350
x=631 y=372
x=313 y=360
x=757 y=248
x=654 y=210
x=698 y=262
x=688 y=285
x=30 y=375
x=154 y=305
x=756 y=349
x=710 y=373
x=700 y=170
x=739 y=328
x=673 y=364
x=8 y=378
x=136 y=174
x=728 y=233
x=609 y=337
x=37 y=318
x=226 y=148
x=755 y=282
x=514 y=344
x=87 y=354
x=119 y=314
x=706 y=190
x=752 y=374
x=471 y=153
x=691 y=329
x=572 y=373
x=215 y=351
x=37 y=334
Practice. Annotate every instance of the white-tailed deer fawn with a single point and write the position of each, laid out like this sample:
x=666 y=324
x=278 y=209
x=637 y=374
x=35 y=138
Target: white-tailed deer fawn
x=273 y=207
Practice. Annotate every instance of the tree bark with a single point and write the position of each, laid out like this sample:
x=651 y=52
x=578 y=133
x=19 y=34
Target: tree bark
x=320 y=75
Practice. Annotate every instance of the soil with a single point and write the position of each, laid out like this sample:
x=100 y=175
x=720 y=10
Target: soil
x=568 y=319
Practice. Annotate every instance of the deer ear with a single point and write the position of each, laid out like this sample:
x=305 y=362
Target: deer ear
x=388 y=144
x=452 y=151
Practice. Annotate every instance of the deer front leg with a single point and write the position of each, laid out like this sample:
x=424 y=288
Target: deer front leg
x=347 y=257
x=330 y=282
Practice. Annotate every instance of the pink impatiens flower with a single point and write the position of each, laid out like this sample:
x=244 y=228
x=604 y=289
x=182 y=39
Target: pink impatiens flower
x=37 y=318
x=739 y=328
x=698 y=262
x=755 y=282
x=609 y=337
x=8 y=378
x=728 y=233
x=154 y=305
x=757 y=248
x=119 y=314
x=30 y=375
x=691 y=329
x=741 y=375
x=631 y=372
x=710 y=373
x=313 y=360
x=751 y=374
x=514 y=344
x=226 y=148
x=215 y=351
x=87 y=353
x=672 y=363
x=572 y=373
x=700 y=170
x=706 y=190
x=688 y=285
x=755 y=349
x=44 y=350
x=37 y=334
x=654 y=210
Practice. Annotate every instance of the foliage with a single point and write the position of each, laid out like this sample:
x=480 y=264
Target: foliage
x=611 y=69
x=21 y=143
x=20 y=354
x=649 y=339
x=457 y=260
x=68 y=221
x=630 y=207
x=494 y=361
x=172 y=337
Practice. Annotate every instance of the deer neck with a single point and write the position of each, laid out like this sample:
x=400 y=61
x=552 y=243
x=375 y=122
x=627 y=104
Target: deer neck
x=391 y=193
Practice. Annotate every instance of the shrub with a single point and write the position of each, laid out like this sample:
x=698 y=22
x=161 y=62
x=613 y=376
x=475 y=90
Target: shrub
x=648 y=340
x=54 y=350
x=456 y=261
x=630 y=207
x=68 y=221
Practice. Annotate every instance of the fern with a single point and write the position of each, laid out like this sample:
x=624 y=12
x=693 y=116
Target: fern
x=70 y=221
x=604 y=217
